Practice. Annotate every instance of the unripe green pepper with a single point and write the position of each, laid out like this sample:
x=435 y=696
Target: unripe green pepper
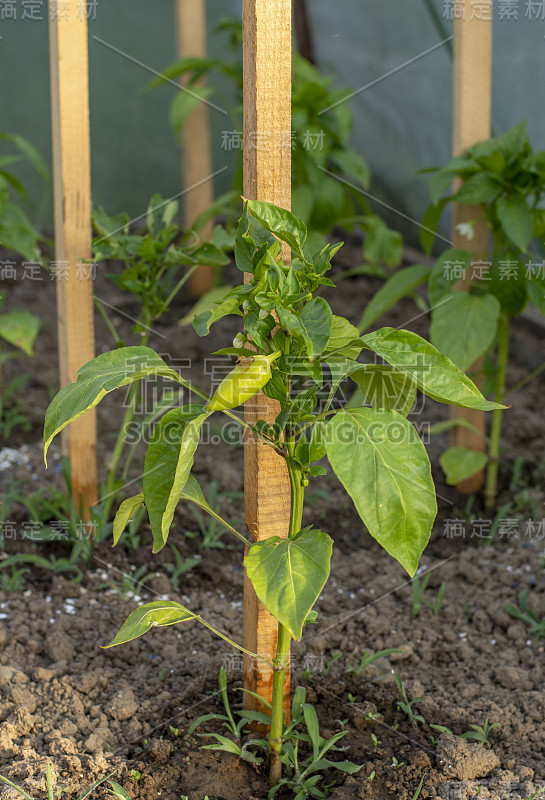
x=243 y=382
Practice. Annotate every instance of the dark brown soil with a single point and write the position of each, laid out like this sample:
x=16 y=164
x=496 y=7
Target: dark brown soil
x=91 y=711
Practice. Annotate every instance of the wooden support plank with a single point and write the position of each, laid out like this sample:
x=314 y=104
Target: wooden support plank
x=196 y=147
x=72 y=199
x=471 y=123
x=267 y=176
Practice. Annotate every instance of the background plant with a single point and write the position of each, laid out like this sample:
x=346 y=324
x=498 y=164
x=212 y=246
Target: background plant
x=157 y=262
x=504 y=178
x=374 y=450
x=328 y=175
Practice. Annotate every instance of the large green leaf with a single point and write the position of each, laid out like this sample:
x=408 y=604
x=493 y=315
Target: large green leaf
x=396 y=287
x=317 y=318
x=433 y=373
x=125 y=513
x=203 y=321
x=168 y=462
x=158 y=614
x=385 y=387
x=536 y=292
x=465 y=328
x=449 y=268
x=283 y=224
x=384 y=467
x=207 y=303
x=95 y=379
x=516 y=220
x=289 y=574
x=20 y=329
x=479 y=188
x=343 y=341
x=459 y=463
x=183 y=104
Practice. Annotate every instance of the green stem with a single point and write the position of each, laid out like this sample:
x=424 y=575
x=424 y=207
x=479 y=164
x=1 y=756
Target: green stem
x=497 y=415
x=118 y=449
x=109 y=324
x=231 y=642
x=525 y=381
x=179 y=285
x=284 y=638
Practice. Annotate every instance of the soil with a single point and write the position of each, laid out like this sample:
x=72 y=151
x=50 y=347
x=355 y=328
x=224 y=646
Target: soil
x=126 y=711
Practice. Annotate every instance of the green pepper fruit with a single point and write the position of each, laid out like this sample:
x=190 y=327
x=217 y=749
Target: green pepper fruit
x=247 y=378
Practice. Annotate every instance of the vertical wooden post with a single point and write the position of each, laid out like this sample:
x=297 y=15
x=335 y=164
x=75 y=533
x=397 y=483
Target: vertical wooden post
x=471 y=123
x=72 y=199
x=196 y=148
x=267 y=176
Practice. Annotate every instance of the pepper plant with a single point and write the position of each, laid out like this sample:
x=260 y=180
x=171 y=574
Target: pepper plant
x=158 y=260
x=504 y=178
x=292 y=347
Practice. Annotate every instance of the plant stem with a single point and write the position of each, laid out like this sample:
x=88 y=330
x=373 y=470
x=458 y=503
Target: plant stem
x=497 y=415
x=130 y=411
x=525 y=381
x=284 y=638
x=277 y=713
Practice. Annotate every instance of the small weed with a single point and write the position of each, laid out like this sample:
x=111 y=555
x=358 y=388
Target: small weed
x=129 y=585
x=180 y=567
x=334 y=657
x=52 y=793
x=367 y=660
x=536 y=625
x=174 y=731
x=419 y=587
x=376 y=741
x=135 y=775
x=406 y=705
x=14 y=582
x=395 y=763
x=480 y=734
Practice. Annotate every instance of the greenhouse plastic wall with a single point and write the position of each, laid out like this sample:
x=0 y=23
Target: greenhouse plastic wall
x=389 y=53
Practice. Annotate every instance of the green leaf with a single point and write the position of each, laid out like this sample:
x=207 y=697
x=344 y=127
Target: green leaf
x=396 y=287
x=446 y=272
x=536 y=292
x=203 y=321
x=289 y=574
x=313 y=727
x=351 y=163
x=20 y=329
x=433 y=373
x=514 y=140
x=385 y=387
x=125 y=513
x=167 y=465
x=158 y=614
x=459 y=463
x=381 y=243
x=17 y=233
x=343 y=340
x=384 y=467
x=317 y=319
x=430 y=221
x=183 y=104
x=508 y=283
x=516 y=220
x=208 y=302
x=479 y=188
x=283 y=224
x=465 y=328
x=95 y=379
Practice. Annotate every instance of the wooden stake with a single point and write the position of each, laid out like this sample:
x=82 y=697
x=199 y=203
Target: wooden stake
x=471 y=124
x=267 y=176
x=196 y=148
x=72 y=198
